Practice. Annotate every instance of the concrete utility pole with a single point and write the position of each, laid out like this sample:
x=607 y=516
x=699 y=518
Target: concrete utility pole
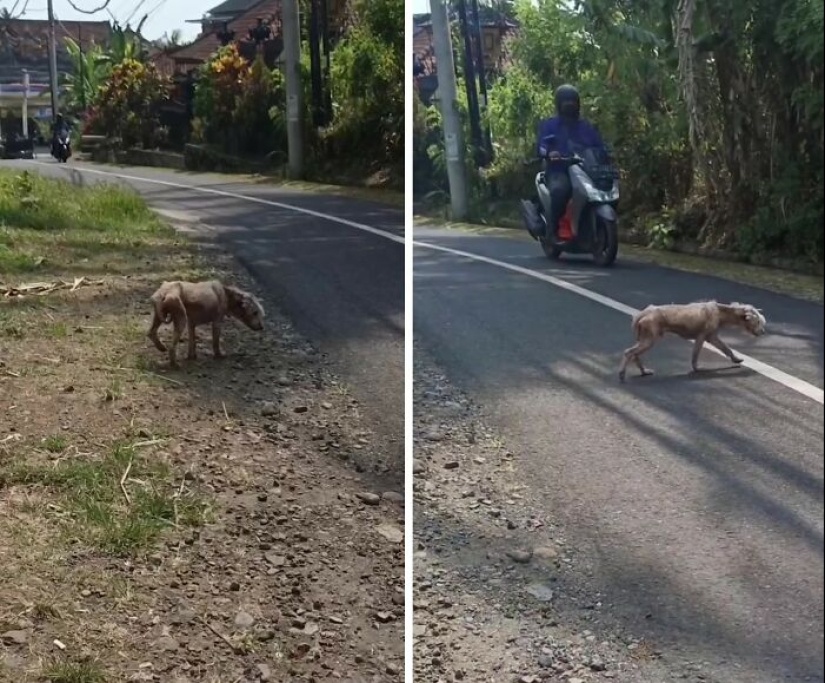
x=52 y=57
x=453 y=139
x=294 y=109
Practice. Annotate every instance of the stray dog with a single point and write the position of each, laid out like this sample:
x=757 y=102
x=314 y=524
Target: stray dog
x=189 y=304
x=699 y=321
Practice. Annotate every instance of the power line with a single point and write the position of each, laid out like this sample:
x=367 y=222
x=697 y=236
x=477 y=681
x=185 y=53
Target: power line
x=134 y=11
x=89 y=11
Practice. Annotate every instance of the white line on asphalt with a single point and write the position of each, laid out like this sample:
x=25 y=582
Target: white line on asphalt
x=794 y=383
x=223 y=193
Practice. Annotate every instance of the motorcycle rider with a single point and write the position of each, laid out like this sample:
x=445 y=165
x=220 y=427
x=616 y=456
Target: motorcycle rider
x=59 y=126
x=570 y=131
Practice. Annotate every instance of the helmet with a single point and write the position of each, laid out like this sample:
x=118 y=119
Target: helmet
x=568 y=103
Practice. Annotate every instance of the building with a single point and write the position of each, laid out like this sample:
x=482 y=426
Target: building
x=237 y=17
x=24 y=46
x=496 y=29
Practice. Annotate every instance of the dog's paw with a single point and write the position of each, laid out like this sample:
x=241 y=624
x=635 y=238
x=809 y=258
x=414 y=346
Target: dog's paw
x=647 y=373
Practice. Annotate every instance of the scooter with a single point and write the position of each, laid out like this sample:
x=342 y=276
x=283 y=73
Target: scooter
x=63 y=147
x=589 y=224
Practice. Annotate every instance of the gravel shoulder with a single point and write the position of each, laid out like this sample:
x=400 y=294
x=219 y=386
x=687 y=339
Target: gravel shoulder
x=500 y=594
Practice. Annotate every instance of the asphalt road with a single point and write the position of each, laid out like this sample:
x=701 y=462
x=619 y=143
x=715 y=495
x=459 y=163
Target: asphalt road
x=341 y=284
x=696 y=502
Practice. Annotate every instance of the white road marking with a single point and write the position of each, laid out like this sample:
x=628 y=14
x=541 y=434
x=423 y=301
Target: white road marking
x=234 y=195
x=794 y=383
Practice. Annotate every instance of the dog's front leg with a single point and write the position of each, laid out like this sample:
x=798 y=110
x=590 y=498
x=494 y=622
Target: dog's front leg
x=724 y=348
x=216 y=340
x=698 y=343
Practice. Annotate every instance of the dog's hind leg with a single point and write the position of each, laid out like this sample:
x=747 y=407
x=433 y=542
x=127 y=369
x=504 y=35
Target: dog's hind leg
x=724 y=348
x=174 y=306
x=192 y=351
x=153 y=333
x=216 y=340
x=634 y=353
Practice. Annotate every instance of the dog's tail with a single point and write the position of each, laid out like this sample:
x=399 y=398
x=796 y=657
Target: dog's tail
x=635 y=323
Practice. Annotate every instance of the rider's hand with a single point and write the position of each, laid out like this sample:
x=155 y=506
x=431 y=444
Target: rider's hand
x=554 y=156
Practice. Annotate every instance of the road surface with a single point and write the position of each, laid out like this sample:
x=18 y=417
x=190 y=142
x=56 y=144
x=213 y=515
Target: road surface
x=697 y=501
x=334 y=265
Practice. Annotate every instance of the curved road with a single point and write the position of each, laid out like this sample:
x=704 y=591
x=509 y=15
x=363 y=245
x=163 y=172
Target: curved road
x=697 y=501
x=334 y=265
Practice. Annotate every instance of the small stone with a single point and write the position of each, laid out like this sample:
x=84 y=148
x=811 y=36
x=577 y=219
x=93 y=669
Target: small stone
x=275 y=560
x=545 y=552
x=167 y=643
x=418 y=467
x=244 y=619
x=434 y=436
x=452 y=465
x=14 y=637
x=393 y=497
x=301 y=409
x=391 y=533
x=368 y=498
x=384 y=617
x=597 y=664
x=264 y=672
x=540 y=592
x=269 y=409
x=520 y=556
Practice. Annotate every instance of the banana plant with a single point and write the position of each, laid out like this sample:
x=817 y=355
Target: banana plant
x=92 y=65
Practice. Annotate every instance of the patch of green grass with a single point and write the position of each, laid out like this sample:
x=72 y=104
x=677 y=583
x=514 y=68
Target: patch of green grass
x=119 y=520
x=114 y=390
x=87 y=671
x=56 y=443
x=57 y=330
x=53 y=226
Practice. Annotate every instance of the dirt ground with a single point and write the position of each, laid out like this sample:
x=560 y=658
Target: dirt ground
x=202 y=525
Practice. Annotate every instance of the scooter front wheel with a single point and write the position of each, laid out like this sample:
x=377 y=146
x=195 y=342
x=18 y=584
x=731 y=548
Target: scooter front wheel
x=606 y=243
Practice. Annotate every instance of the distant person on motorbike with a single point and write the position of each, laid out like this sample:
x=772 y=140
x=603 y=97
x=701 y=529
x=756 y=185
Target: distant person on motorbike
x=570 y=131
x=59 y=126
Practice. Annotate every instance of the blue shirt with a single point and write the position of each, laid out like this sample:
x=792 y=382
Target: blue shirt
x=579 y=132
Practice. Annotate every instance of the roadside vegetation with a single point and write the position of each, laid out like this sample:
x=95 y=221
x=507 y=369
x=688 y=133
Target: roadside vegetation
x=717 y=126
x=239 y=106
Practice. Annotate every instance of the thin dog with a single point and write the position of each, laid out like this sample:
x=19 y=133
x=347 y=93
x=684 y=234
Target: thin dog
x=190 y=304
x=700 y=321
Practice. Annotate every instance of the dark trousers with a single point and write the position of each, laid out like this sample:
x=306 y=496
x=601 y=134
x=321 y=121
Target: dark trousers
x=560 y=193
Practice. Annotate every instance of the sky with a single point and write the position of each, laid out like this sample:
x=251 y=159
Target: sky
x=420 y=6
x=164 y=15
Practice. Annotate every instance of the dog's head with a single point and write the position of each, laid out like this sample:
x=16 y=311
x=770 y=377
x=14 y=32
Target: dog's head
x=245 y=307
x=752 y=318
